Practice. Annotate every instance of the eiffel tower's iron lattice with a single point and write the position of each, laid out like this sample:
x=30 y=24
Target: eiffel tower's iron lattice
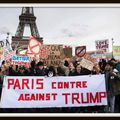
x=26 y=19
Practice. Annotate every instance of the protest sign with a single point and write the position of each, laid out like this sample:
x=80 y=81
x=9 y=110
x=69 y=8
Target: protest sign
x=86 y=64
x=8 y=53
x=89 y=58
x=98 y=54
x=36 y=49
x=67 y=52
x=116 y=50
x=80 y=51
x=44 y=92
x=102 y=45
x=6 y=47
x=33 y=47
x=4 y=40
x=55 y=55
x=20 y=60
x=44 y=50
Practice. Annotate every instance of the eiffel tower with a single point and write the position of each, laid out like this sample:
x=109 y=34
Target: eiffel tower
x=26 y=19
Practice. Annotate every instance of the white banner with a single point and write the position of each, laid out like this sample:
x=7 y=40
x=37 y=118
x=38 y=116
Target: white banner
x=43 y=92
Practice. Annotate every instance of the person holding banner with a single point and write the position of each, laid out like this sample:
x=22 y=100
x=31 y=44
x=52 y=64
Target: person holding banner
x=40 y=70
x=78 y=70
x=13 y=70
x=50 y=71
x=1 y=81
x=112 y=87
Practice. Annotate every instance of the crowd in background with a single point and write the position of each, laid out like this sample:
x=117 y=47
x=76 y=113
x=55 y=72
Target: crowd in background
x=66 y=68
x=110 y=68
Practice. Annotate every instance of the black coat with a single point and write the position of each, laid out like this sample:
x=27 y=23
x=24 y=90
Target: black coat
x=39 y=72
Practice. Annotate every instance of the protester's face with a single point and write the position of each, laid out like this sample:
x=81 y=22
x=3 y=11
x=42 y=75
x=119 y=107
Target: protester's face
x=108 y=67
x=22 y=70
x=78 y=68
x=14 y=67
x=41 y=67
x=71 y=66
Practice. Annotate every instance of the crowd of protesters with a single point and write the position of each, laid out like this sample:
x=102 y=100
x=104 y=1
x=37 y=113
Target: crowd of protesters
x=111 y=69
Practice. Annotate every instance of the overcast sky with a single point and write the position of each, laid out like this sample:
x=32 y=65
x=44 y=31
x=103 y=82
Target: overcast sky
x=70 y=26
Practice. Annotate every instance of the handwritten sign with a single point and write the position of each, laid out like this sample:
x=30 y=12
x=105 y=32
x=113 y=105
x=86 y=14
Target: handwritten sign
x=55 y=55
x=102 y=45
x=86 y=64
x=20 y=60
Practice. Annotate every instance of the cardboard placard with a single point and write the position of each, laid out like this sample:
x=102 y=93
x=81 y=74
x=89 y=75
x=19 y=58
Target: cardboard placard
x=55 y=55
x=86 y=64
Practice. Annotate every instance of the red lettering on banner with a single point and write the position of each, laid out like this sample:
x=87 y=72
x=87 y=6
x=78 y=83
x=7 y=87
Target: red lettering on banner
x=102 y=95
x=40 y=84
x=84 y=98
x=78 y=84
x=84 y=84
x=54 y=96
x=37 y=97
x=60 y=85
x=75 y=97
x=10 y=82
x=41 y=96
x=32 y=84
x=66 y=85
x=94 y=99
x=17 y=84
x=27 y=97
x=25 y=83
x=47 y=96
x=33 y=97
x=66 y=97
x=71 y=84
x=53 y=83
x=20 y=97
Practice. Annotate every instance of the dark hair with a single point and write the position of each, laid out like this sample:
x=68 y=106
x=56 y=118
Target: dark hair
x=66 y=63
x=60 y=71
x=113 y=59
x=16 y=67
x=3 y=62
x=111 y=64
x=33 y=64
x=40 y=63
x=22 y=68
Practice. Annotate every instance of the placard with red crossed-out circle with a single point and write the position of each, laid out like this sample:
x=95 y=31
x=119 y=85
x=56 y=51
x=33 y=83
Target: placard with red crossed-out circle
x=80 y=51
x=33 y=47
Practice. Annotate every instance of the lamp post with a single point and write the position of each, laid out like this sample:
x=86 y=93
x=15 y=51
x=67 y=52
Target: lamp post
x=112 y=47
